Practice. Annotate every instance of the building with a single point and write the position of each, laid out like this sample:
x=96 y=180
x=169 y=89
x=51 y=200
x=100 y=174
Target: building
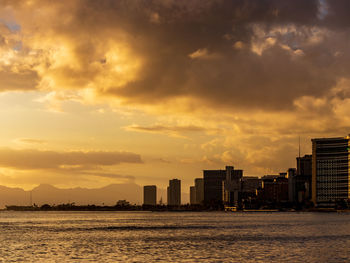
x=222 y=186
x=174 y=192
x=193 y=195
x=330 y=170
x=150 y=195
x=304 y=177
x=274 y=189
x=250 y=184
x=292 y=193
x=199 y=186
x=232 y=186
x=213 y=186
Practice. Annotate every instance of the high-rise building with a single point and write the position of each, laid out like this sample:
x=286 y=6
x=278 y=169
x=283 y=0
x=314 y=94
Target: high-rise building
x=222 y=186
x=174 y=192
x=213 y=186
x=292 y=174
x=330 y=170
x=304 y=177
x=199 y=186
x=232 y=186
x=193 y=195
x=150 y=195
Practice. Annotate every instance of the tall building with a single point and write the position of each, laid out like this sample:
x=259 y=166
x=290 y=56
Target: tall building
x=330 y=170
x=292 y=174
x=199 y=186
x=233 y=186
x=222 y=186
x=213 y=186
x=304 y=176
x=174 y=192
x=193 y=195
x=150 y=195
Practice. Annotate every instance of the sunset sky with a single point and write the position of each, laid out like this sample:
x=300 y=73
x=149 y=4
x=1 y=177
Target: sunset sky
x=100 y=92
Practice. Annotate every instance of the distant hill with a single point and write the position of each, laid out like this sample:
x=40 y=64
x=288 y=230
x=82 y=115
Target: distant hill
x=48 y=194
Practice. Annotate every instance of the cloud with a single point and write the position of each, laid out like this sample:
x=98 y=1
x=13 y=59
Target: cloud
x=176 y=131
x=150 y=52
x=30 y=141
x=35 y=159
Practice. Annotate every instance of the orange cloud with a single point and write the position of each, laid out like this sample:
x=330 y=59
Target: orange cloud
x=35 y=159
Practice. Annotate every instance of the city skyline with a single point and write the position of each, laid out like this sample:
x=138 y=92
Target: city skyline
x=93 y=94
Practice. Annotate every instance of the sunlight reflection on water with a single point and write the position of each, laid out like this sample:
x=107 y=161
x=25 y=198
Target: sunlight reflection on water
x=174 y=237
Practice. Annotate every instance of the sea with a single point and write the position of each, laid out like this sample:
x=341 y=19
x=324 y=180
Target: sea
x=174 y=237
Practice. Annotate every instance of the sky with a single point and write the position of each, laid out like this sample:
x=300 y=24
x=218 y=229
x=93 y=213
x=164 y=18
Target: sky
x=142 y=91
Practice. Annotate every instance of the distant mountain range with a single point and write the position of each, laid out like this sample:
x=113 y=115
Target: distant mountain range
x=48 y=194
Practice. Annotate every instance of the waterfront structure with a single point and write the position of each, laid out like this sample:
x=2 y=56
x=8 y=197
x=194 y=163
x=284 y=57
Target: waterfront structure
x=250 y=184
x=174 y=192
x=199 y=188
x=150 y=195
x=292 y=175
x=193 y=195
x=330 y=170
x=274 y=189
x=213 y=186
x=222 y=186
x=304 y=177
x=232 y=186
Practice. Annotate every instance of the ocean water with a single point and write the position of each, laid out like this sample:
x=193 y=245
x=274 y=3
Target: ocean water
x=174 y=237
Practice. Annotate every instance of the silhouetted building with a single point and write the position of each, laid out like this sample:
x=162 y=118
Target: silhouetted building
x=232 y=186
x=150 y=195
x=222 y=186
x=274 y=189
x=250 y=184
x=213 y=186
x=292 y=193
x=304 y=177
x=330 y=170
x=174 y=192
x=199 y=186
x=193 y=195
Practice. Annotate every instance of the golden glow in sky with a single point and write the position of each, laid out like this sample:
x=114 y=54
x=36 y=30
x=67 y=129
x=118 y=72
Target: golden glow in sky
x=101 y=92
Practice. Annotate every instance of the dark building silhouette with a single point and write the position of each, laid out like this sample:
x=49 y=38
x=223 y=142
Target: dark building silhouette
x=274 y=189
x=304 y=177
x=233 y=186
x=174 y=192
x=150 y=195
x=250 y=184
x=330 y=170
x=222 y=186
x=213 y=186
x=199 y=187
x=193 y=195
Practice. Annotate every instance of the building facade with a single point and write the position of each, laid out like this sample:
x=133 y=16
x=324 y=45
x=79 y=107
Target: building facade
x=150 y=195
x=330 y=170
x=213 y=186
x=193 y=195
x=174 y=192
x=222 y=186
x=199 y=186
x=304 y=177
x=274 y=189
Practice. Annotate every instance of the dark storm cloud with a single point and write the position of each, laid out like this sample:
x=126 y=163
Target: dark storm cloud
x=233 y=54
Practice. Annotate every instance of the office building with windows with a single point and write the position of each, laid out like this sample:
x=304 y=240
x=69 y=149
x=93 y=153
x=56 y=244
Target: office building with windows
x=330 y=170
